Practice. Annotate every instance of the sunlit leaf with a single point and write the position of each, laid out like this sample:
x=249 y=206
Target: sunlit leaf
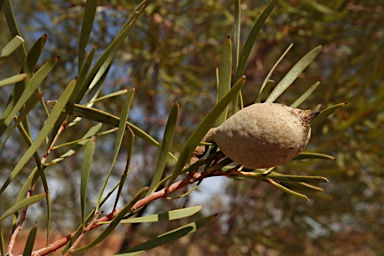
x=165 y=147
x=114 y=222
x=42 y=134
x=85 y=172
x=325 y=113
x=169 y=236
x=119 y=139
x=293 y=74
x=250 y=42
x=165 y=216
x=30 y=241
x=12 y=46
x=23 y=203
x=225 y=73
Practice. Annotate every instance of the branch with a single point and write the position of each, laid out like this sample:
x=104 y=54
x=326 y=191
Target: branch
x=23 y=214
x=141 y=203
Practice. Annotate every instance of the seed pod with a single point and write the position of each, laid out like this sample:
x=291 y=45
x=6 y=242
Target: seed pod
x=263 y=135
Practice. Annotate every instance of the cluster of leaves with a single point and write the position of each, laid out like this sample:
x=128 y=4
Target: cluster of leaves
x=75 y=105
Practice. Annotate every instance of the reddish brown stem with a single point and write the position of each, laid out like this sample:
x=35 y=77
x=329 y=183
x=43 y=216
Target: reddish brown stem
x=142 y=202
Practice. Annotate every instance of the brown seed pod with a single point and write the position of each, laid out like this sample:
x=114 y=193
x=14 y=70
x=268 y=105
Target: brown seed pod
x=263 y=135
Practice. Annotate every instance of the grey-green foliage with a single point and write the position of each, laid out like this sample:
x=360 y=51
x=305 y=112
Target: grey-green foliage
x=180 y=72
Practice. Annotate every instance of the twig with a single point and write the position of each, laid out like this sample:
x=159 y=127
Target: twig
x=81 y=236
x=141 y=203
x=23 y=214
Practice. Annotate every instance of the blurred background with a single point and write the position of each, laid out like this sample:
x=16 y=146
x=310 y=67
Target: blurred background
x=172 y=54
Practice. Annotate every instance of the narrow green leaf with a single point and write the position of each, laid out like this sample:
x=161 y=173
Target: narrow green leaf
x=42 y=135
x=12 y=24
x=89 y=218
x=105 y=60
x=30 y=241
x=114 y=222
x=23 y=203
x=111 y=95
x=252 y=38
x=324 y=114
x=85 y=171
x=86 y=28
x=165 y=216
x=165 y=147
x=32 y=85
x=130 y=139
x=119 y=140
x=24 y=112
x=13 y=79
x=204 y=127
x=34 y=55
x=91 y=132
x=296 y=178
x=225 y=72
x=103 y=117
x=267 y=83
x=12 y=46
x=289 y=191
x=2 y=244
x=169 y=236
x=305 y=95
x=312 y=155
x=291 y=76
x=86 y=66
x=236 y=34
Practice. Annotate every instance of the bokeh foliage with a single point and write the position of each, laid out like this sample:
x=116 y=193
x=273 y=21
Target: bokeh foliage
x=171 y=54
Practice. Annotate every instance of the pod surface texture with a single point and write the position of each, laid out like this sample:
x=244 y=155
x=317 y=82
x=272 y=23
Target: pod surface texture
x=263 y=135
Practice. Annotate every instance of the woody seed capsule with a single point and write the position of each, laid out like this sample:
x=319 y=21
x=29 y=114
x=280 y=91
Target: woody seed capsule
x=263 y=135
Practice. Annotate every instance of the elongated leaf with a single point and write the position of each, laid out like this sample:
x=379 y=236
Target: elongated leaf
x=12 y=24
x=12 y=80
x=289 y=191
x=165 y=216
x=169 y=236
x=105 y=60
x=23 y=203
x=305 y=95
x=85 y=171
x=324 y=114
x=33 y=84
x=119 y=140
x=252 y=38
x=89 y=218
x=24 y=112
x=292 y=75
x=266 y=84
x=91 y=132
x=12 y=46
x=312 y=155
x=86 y=28
x=165 y=147
x=30 y=241
x=34 y=55
x=236 y=34
x=114 y=222
x=28 y=68
x=2 y=245
x=42 y=135
x=86 y=65
x=103 y=117
x=225 y=73
x=204 y=127
x=130 y=139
